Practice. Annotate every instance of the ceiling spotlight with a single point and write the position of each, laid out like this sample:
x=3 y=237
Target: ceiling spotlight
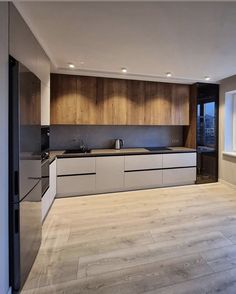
x=124 y=70
x=71 y=65
x=169 y=74
x=207 y=78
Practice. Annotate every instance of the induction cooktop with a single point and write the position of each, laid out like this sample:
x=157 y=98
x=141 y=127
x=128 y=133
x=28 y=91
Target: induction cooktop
x=157 y=148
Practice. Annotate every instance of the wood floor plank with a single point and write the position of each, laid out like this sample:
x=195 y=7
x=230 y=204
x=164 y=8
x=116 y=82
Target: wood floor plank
x=168 y=240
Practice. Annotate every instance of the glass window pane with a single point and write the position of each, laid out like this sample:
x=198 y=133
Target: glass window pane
x=209 y=124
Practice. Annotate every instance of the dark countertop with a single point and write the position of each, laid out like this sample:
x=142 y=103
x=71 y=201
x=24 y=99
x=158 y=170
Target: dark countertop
x=112 y=152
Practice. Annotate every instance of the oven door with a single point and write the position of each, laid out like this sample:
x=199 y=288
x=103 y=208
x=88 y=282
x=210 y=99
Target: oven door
x=45 y=176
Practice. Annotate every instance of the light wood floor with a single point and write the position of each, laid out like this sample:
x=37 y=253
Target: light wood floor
x=162 y=241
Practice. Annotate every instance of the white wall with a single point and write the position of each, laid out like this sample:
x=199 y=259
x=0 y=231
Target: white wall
x=4 y=266
x=227 y=164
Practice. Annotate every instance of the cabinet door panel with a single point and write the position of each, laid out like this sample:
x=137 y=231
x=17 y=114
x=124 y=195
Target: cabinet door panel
x=75 y=185
x=179 y=160
x=179 y=176
x=53 y=179
x=86 y=100
x=157 y=103
x=69 y=166
x=139 y=162
x=143 y=179
x=109 y=173
x=180 y=104
x=135 y=102
x=112 y=102
x=63 y=99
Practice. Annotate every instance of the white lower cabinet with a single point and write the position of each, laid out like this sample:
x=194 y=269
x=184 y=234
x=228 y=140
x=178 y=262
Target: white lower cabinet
x=179 y=176
x=91 y=175
x=143 y=179
x=53 y=178
x=179 y=160
x=140 y=162
x=72 y=166
x=50 y=194
x=75 y=185
x=109 y=174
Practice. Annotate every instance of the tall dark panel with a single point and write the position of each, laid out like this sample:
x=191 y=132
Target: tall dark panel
x=207 y=132
x=24 y=171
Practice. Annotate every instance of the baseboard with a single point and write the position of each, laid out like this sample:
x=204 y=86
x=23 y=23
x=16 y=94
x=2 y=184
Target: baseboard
x=227 y=183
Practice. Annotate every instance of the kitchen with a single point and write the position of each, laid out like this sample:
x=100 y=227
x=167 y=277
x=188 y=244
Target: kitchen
x=121 y=175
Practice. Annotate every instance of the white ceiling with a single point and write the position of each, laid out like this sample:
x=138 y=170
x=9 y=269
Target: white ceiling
x=192 y=40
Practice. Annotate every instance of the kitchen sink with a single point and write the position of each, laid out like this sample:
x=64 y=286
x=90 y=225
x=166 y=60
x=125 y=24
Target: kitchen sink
x=73 y=151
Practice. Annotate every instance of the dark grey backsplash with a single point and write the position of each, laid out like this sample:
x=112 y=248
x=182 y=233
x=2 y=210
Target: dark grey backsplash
x=68 y=136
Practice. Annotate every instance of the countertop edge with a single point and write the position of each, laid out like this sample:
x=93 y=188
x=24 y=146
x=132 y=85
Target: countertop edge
x=59 y=154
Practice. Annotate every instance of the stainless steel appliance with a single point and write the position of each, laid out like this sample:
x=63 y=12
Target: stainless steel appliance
x=119 y=143
x=25 y=171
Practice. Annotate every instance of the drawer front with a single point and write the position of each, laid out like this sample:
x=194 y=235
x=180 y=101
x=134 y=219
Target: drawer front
x=109 y=174
x=179 y=160
x=143 y=179
x=70 y=166
x=179 y=176
x=139 y=162
x=75 y=185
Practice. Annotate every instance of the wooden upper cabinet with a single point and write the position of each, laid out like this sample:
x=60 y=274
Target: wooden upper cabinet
x=180 y=104
x=63 y=99
x=135 y=102
x=158 y=104
x=112 y=101
x=106 y=101
x=86 y=100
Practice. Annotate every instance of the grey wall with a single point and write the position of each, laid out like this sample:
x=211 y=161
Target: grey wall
x=227 y=164
x=4 y=266
x=24 y=47
x=66 y=137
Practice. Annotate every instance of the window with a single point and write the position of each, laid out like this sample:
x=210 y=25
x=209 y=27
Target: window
x=206 y=123
x=230 y=122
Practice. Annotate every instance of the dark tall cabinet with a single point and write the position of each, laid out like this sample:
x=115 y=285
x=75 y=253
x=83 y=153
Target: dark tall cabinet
x=202 y=133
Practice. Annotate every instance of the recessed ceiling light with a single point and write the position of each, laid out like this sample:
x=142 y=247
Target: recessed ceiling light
x=207 y=78
x=71 y=65
x=124 y=70
x=169 y=74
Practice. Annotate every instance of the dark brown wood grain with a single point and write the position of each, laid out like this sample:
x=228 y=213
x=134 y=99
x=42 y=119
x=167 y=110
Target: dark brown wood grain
x=63 y=107
x=190 y=131
x=86 y=108
x=106 y=101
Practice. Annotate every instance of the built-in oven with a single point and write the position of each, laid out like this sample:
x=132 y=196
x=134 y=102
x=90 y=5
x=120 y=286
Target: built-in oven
x=45 y=134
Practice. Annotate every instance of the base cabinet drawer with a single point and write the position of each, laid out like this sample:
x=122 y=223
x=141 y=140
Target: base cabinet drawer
x=75 y=185
x=70 y=166
x=179 y=160
x=140 y=162
x=179 y=176
x=143 y=179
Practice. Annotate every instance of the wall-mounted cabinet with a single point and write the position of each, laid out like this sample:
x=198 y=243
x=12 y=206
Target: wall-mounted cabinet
x=106 y=101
